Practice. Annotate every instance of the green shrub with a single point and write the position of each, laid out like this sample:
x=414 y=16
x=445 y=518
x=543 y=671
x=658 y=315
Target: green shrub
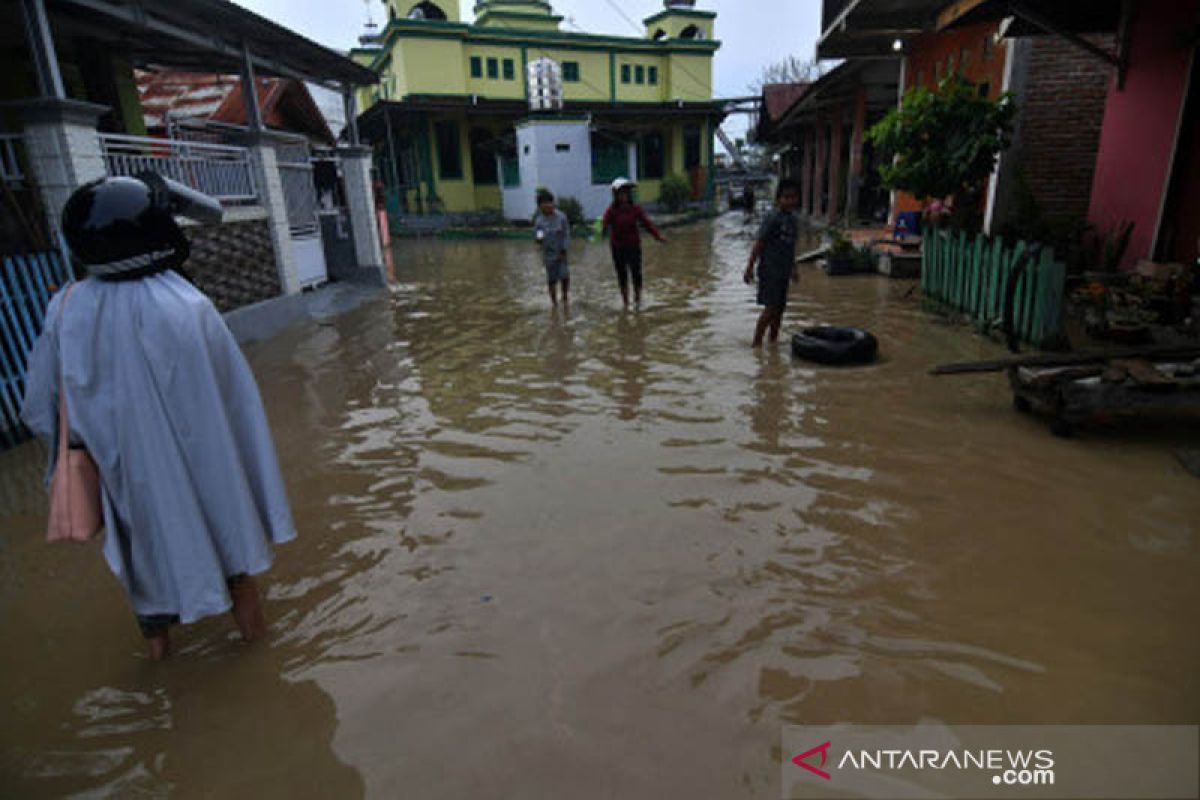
x=675 y=194
x=573 y=209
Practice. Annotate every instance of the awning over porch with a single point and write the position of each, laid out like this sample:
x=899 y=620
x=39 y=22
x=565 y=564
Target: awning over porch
x=878 y=80
x=374 y=121
x=1073 y=16
x=870 y=28
x=204 y=36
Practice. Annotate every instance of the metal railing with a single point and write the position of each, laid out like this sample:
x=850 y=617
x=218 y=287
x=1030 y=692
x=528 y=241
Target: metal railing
x=221 y=171
x=11 y=148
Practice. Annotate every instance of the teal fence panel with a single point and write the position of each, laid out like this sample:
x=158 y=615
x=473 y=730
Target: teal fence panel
x=971 y=276
x=26 y=285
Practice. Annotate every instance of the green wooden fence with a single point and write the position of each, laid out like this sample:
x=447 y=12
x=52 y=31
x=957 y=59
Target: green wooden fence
x=971 y=274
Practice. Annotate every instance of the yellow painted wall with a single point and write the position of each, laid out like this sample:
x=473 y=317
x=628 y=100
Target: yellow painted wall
x=488 y=198
x=593 y=83
x=429 y=66
x=499 y=87
x=690 y=77
x=674 y=24
x=524 y=21
x=634 y=92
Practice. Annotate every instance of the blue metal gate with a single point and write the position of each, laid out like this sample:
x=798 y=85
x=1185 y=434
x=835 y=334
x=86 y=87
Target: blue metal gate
x=26 y=285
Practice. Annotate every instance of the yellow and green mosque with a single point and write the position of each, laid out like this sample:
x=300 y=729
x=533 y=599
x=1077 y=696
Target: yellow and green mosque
x=453 y=97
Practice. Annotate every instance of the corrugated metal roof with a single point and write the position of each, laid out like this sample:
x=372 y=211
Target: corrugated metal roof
x=218 y=98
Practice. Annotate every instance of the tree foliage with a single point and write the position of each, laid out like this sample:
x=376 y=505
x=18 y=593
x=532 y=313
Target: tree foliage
x=792 y=69
x=944 y=142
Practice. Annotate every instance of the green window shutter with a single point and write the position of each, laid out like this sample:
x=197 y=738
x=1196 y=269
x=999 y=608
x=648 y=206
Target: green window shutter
x=640 y=71
x=610 y=159
x=512 y=171
x=625 y=73
x=493 y=68
x=476 y=67
x=510 y=69
x=571 y=71
x=653 y=76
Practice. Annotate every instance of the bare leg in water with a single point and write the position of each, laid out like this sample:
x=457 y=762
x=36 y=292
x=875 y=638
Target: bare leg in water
x=769 y=318
x=247 y=608
x=247 y=613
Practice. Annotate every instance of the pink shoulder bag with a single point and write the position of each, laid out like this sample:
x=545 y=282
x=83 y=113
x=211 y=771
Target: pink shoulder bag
x=75 y=514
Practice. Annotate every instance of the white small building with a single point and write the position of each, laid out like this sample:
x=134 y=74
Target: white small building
x=555 y=152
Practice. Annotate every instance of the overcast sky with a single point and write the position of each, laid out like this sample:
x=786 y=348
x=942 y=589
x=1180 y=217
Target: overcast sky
x=753 y=33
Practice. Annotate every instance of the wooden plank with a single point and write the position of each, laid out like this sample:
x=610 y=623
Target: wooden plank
x=1068 y=359
x=994 y=277
x=812 y=255
x=975 y=298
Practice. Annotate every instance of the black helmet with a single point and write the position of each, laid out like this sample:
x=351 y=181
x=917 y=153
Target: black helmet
x=125 y=226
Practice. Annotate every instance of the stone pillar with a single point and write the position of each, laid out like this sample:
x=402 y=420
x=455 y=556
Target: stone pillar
x=62 y=148
x=360 y=202
x=270 y=196
x=835 y=167
x=854 y=184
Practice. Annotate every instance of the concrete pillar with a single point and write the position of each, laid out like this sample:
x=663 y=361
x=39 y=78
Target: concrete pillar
x=855 y=181
x=634 y=166
x=806 y=176
x=834 y=212
x=62 y=148
x=360 y=202
x=270 y=196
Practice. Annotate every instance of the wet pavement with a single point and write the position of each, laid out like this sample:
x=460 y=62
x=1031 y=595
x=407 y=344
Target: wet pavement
x=608 y=555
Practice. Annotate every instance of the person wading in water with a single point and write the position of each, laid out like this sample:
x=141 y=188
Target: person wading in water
x=163 y=400
x=621 y=222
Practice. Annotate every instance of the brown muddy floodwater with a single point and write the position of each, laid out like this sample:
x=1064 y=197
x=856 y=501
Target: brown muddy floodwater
x=608 y=555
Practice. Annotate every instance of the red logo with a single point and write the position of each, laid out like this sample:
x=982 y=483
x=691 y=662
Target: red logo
x=823 y=750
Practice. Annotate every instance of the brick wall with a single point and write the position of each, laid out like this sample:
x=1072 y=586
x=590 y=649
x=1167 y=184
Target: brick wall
x=233 y=263
x=1061 y=117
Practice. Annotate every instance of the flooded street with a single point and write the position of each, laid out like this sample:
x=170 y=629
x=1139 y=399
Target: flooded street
x=608 y=555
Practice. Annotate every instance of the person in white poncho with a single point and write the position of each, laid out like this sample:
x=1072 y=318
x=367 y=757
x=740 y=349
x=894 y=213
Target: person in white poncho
x=160 y=395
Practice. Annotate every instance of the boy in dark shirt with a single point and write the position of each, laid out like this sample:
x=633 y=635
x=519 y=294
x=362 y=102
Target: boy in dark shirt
x=775 y=254
x=621 y=222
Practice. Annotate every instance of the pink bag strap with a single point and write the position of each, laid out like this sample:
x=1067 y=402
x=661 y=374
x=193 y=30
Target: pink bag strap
x=64 y=429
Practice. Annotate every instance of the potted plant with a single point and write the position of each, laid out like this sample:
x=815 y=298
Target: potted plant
x=840 y=258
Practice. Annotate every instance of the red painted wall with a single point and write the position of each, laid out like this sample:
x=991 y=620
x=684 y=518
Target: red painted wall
x=1140 y=124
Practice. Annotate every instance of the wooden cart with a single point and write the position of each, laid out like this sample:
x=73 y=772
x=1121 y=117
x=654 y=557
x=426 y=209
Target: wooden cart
x=1076 y=388
x=1118 y=388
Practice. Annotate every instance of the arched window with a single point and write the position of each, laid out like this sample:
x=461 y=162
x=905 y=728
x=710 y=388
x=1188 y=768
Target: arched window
x=659 y=35
x=426 y=10
x=691 y=32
